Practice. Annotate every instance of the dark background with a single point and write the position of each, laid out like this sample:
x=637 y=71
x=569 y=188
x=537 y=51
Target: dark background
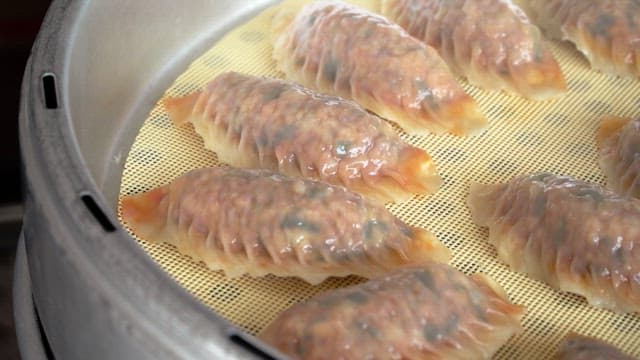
x=19 y=25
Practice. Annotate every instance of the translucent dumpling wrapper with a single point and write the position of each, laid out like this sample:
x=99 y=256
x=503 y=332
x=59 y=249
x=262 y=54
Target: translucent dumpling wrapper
x=273 y=124
x=490 y=42
x=579 y=347
x=575 y=236
x=435 y=312
x=619 y=147
x=259 y=222
x=347 y=51
x=607 y=32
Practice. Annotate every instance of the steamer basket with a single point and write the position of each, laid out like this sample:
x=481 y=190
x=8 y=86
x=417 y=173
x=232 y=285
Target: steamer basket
x=100 y=293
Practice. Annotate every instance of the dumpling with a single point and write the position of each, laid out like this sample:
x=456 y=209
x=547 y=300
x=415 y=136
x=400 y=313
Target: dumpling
x=619 y=143
x=427 y=313
x=346 y=51
x=268 y=123
x=607 y=32
x=505 y=52
x=260 y=222
x=575 y=236
x=580 y=347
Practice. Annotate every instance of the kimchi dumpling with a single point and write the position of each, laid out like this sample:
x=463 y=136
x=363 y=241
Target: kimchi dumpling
x=273 y=124
x=576 y=236
x=619 y=143
x=347 y=51
x=580 y=347
x=260 y=222
x=490 y=42
x=605 y=31
x=435 y=312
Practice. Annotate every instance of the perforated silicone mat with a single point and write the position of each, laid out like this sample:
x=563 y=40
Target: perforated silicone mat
x=523 y=136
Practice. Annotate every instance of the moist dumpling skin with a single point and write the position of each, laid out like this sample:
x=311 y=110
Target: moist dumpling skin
x=607 y=32
x=259 y=222
x=347 y=51
x=273 y=124
x=619 y=147
x=575 y=236
x=490 y=42
x=435 y=312
x=579 y=347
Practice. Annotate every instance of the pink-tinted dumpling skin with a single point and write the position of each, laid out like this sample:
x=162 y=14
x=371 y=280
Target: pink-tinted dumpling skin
x=434 y=312
x=579 y=347
x=344 y=50
x=575 y=236
x=490 y=42
x=257 y=122
x=619 y=150
x=607 y=32
x=258 y=222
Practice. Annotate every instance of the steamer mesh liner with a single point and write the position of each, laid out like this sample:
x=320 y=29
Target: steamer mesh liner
x=523 y=136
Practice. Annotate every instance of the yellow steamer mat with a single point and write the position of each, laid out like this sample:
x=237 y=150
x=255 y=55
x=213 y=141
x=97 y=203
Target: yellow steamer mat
x=523 y=136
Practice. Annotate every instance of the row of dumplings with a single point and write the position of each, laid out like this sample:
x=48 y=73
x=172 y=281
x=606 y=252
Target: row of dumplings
x=402 y=66
x=309 y=219
x=576 y=236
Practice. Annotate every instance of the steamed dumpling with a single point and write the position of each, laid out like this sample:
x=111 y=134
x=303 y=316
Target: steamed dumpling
x=273 y=124
x=619 y=143
x=580 y=347
x=575 y=236
x=347 y=51
x=490 y=42
x=259 y=222
x=607 y=32
x=434 y=312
